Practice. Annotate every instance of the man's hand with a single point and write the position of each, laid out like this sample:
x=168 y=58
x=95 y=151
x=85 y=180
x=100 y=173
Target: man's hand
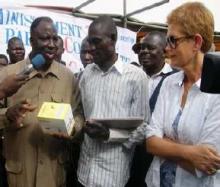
x=11 y=84
x=204 y=158
x=96 y=130
x=16 y=113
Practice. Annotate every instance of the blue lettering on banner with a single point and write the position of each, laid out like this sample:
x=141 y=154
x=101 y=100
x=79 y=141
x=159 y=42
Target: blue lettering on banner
x=23 y=35
x=17 y=18
x=125 y=59
x=71 y=46
x=68 y=29
x=127 y=39
x=1 y=16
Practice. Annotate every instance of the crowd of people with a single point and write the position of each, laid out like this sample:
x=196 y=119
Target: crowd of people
x=177 y=143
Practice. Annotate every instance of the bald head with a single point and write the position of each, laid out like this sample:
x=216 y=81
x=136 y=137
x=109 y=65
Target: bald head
x=85 y=53
x=158 y=37
x=16 y=51
x=106 y=25
x=151 y=51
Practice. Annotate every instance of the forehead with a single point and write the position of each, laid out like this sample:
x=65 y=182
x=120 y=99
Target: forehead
x=174 y=30
x=85 y=46
x=60 y=42
x=45 y=27
x=151 y=39
x=99 y=29
x=16 y=43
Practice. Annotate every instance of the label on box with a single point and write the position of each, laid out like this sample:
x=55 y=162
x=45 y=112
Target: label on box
x=56 y=117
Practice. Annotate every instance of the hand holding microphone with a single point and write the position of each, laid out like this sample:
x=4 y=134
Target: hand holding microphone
x=37 y=62
x=12 y=83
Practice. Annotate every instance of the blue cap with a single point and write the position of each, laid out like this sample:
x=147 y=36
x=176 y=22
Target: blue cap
x=38 y=61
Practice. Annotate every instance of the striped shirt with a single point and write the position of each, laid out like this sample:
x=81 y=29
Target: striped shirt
x=118 y=93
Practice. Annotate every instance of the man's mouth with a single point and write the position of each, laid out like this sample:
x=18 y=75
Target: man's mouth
x=49 y=55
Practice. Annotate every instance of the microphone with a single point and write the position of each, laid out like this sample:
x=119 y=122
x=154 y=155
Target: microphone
x=36 y=63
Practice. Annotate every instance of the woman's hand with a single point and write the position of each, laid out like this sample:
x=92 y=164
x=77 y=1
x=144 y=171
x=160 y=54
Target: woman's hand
x=203 y=158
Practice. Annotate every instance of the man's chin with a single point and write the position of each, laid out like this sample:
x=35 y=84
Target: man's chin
x=146 y=64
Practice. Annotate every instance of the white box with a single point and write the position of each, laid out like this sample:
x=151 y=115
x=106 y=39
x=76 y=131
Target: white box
x=56 y=117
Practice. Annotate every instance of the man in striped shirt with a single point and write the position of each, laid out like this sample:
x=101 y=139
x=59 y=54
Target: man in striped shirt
x=110 y=89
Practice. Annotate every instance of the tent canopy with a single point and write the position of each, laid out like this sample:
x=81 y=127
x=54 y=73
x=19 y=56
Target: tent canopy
x=152 y=15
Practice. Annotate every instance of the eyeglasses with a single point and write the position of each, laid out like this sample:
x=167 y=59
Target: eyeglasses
x=173 y=42
x=142 y=46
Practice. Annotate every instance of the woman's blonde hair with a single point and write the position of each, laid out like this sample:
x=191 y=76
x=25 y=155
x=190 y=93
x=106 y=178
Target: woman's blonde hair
x=194 y=18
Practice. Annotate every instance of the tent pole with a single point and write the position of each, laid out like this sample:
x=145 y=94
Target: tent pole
x=147 y=8
x=125 y=12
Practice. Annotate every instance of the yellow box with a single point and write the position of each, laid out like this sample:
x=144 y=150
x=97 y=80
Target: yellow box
x=56 y=117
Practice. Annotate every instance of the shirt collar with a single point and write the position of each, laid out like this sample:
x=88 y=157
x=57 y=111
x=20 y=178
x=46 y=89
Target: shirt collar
x=53 y=70
x=166 y=69
x=118 y=66
x=181 y=78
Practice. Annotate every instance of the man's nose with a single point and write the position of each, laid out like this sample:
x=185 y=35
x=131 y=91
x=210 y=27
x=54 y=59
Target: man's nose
x=87 y=55
x=51 y=43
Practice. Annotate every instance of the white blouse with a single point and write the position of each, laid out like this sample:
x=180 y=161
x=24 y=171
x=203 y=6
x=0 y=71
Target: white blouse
x=198 y=124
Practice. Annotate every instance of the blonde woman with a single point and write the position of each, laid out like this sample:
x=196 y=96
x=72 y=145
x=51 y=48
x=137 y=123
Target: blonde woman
x=184 y=132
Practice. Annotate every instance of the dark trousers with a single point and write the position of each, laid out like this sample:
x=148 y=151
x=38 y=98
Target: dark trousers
x=140 y=165
x=3 y=178
x=72 y=164
x=79 y=184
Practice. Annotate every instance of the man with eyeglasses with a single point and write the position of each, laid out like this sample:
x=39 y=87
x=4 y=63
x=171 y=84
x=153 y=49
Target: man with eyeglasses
x=151 y=55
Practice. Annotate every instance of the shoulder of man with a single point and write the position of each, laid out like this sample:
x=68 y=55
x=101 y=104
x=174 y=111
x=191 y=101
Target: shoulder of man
x=65 y=71
x=129 y=68
x=15 y=68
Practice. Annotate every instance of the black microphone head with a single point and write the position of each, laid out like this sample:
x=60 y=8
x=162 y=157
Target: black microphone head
x=38 y=61
x=210 y=79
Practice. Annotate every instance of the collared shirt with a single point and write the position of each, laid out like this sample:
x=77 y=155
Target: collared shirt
x=33 y=158
x=120 y=92
x=155 y=79
x=198 y=124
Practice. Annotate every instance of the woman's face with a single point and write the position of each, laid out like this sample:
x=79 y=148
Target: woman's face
x=179 y=47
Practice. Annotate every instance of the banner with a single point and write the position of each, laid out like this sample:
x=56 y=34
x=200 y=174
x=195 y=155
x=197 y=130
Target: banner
x=16 y=21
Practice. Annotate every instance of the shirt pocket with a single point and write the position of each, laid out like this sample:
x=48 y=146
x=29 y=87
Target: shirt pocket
x=14 y=171
x=13 y=167
x=57 y=98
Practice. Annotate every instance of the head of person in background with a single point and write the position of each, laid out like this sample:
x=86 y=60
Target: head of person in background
x=85 y=53
x=60 y=50
x=3 y=60
x=43 y=39
x=150 y=51
x=15 y=50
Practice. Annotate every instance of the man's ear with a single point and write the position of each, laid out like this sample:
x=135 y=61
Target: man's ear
x=113 y=37
x=198 y=41
x=31 y=41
